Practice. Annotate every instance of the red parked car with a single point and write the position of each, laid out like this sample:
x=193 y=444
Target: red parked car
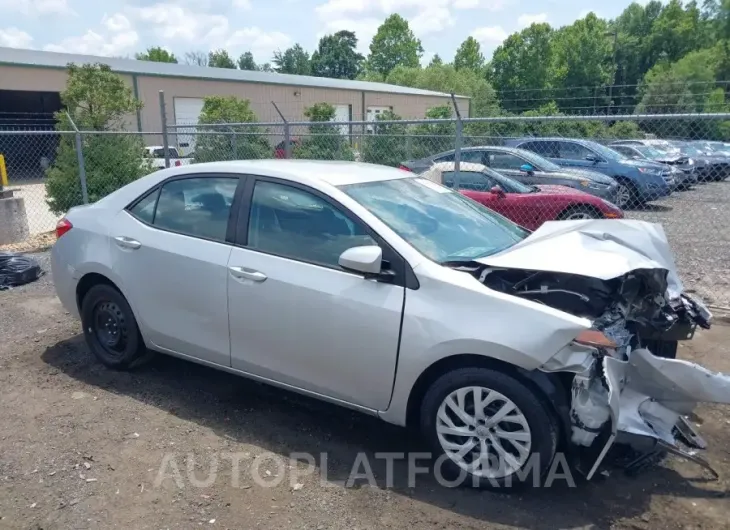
x=280 y=151
x=528 y=206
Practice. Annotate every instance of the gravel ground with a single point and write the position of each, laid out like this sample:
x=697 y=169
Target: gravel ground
x=81 y=447
x=696 y=223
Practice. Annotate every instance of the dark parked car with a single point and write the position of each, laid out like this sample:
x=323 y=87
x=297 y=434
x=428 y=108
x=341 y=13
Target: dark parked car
x=639 y=180
x=526 y=167
x=716 y=166
x=684 y=167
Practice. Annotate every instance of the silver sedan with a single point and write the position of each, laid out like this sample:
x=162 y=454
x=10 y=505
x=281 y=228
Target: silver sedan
x=378 y=290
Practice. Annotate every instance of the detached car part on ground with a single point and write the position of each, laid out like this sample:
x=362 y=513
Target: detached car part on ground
x=370 y=288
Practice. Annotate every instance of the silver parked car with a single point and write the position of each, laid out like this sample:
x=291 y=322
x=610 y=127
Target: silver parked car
x=378 y=290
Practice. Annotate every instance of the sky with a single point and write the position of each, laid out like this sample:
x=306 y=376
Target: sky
x=123 y=27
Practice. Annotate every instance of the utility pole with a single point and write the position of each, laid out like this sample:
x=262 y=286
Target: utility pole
x=613 y=33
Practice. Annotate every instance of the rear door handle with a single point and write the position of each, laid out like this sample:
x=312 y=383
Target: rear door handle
x=242 y=273
x=127 y=242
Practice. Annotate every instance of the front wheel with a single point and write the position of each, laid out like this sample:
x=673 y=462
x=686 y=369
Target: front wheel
x=579 y=212
x=626 y=196
x=488 y=429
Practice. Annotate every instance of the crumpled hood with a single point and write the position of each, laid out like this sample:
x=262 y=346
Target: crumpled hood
x=597 y=248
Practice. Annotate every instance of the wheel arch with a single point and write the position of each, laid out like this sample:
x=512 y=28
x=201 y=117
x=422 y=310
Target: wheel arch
x=552 y=388
x=89 y=280
x=580 y=205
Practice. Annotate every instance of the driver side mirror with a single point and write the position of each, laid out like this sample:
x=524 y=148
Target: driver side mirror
x=527 y=168
x=367 y=260
x=594 y=159
x=496 y=190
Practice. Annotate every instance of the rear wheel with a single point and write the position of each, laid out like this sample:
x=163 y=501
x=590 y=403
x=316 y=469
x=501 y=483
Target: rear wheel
x=578 y=212
x=489 y=429
x=110 y=328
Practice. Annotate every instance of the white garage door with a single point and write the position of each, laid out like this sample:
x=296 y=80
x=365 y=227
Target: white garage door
x=342 y=113
x=373 y=113
x=187 y=112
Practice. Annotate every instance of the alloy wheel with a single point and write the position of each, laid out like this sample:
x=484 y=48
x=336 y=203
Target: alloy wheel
x=483 y=432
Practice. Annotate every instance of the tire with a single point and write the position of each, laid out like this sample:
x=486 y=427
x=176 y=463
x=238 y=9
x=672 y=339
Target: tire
x=627 y=197
x=579 y=211
x=118 y=345
x=536 y=426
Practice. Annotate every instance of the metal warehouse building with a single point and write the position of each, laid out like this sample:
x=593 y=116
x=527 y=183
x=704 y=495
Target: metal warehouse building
x=30 y=82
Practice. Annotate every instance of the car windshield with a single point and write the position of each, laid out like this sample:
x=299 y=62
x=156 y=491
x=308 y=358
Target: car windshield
x=691 y=150
x=607 y=152
x=538 y=161
x=649 y=151
x=441 y=224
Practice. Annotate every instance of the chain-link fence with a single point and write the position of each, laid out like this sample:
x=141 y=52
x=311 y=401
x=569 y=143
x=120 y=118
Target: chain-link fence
x=670 y=169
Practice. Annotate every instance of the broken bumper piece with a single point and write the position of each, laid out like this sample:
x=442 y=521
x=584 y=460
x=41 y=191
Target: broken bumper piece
x=642 y=402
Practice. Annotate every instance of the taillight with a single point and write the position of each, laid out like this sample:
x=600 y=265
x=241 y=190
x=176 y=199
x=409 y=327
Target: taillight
x=404 y=168
x=63 y=226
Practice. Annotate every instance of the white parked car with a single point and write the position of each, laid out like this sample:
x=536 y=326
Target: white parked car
x=155 y=154
x=378 y=290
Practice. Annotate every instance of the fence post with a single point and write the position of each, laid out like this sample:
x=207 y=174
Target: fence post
x=409 y=145
x=287 y=133
x=163 y=119
x=457 y=144
x=234 y=143
x=80 y=158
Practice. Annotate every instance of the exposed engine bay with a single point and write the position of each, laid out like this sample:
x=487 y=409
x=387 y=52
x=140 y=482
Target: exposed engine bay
x=625 y=384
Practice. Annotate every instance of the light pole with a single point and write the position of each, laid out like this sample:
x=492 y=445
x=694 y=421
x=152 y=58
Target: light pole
x=613 y=34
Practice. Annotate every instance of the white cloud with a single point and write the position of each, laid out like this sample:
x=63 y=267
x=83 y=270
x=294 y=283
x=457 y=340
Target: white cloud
x=489 y=5
x=424 y=17
x=175 y=22
x=528 y=20
x=432 y=20
x=260 y=43
x=118 y=37
x=489 y=37
x=34 y=8
x=242 y=4
x=15 y=38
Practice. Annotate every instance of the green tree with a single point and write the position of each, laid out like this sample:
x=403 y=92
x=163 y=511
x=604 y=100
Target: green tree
x=230 y=142
x=582 y=59
x=445 y=78
x=246 y=62
x=337 y=57
x=96 y=99
x=521 y=68
x=387 y=145
x=393 y=45
x=469 y=56
x=220 y=59
x=293 y=60
x=324 y=142
x=432 y=138
x=157 y=55
x=436 y=60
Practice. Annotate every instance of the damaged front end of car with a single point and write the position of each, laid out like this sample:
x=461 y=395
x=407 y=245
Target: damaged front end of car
x=625 y=385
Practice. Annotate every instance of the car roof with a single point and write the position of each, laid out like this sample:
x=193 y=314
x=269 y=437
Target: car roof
x=334 y=173
x=552 y=139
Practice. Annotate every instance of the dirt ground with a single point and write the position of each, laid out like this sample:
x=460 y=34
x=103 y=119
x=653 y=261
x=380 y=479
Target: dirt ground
x=82 y=447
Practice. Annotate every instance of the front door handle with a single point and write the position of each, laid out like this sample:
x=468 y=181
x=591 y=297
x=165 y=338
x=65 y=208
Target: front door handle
x=127 y=242
x=242 y=273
